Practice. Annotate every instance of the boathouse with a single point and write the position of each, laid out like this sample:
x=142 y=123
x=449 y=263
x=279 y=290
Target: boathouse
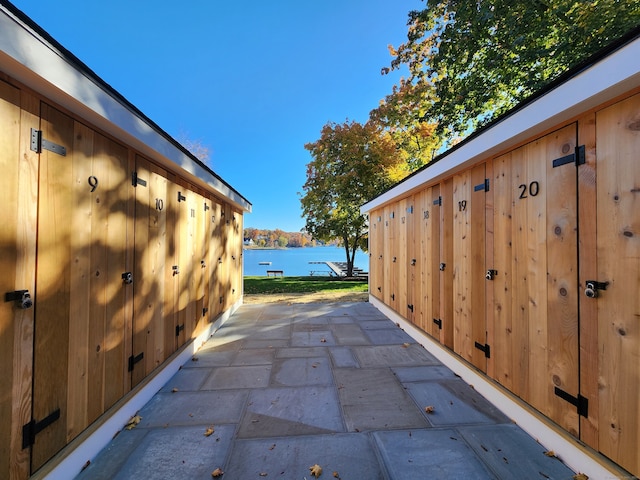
x=515 y=257
x=120 y=253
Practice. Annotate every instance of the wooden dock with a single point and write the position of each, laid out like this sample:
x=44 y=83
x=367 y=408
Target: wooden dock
x=339 y=269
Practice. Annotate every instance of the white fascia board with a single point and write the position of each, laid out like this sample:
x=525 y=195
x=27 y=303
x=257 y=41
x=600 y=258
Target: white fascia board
x=609 y=78
x=33 y=61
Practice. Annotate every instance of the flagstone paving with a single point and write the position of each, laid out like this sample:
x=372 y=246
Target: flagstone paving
x=285 y=387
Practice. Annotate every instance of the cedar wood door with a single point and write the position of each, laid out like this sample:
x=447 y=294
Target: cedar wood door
x=81 y=310
x=618 y=263
x=535 y=288
x=469 y=225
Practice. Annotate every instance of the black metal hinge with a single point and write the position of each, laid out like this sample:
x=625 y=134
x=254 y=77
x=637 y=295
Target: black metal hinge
x=483 y=186
x=135 y=359
x=410 y=307
x=179 y=328
x=181 y=198
x=31 y=429
x=438 y=322
x=438 y=201
x=581 y=403
x=38 y=144
x=577 y=158
x=135 y=180
x=485 y=348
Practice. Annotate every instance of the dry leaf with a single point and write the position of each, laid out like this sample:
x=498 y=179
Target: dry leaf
x=336 y=475
x=263 y=474
x=135 y=420
x=194 y=359
x=429 y=409
x=174 y=390
x=316 y=470
x=550 y=453
x=209 y=431
x=323 y=340
x=580 y=476
x=405 y=345
x=272 y=446
x=217 y=473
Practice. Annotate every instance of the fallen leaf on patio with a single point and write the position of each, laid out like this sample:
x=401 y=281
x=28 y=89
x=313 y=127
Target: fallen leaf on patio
x=194 y=359
x=135 y=420
x=323 y=340
x=174 y=390
x=316 y=470
x=336 y=475
x=405 y=345
x=580 y=476
x=217 y=473
x=272 y=446
x=263 y=474
x=209 y=431
x=550 y=453
x=429 y=409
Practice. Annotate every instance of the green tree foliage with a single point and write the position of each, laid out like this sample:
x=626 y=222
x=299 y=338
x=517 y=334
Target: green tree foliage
x=401 y=114
x=351 y=164
x=482 y=57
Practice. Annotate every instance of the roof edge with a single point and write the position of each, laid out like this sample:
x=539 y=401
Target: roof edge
x=41 y=62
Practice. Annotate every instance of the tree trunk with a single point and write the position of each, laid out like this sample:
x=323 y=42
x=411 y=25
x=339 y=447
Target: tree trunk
x=350 y=258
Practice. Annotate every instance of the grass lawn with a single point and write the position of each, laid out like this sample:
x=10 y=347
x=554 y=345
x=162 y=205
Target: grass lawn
x=267 y=285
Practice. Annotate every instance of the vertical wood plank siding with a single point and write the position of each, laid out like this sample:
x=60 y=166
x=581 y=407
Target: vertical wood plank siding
x=501 y=275
x=74 y=227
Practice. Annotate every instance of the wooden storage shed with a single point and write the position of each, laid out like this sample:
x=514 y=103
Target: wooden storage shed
x=120 y=253
x=516 y=257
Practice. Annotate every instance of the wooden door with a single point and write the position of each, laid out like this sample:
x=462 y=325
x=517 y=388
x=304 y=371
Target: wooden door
x=401 y=252
x=199 y=262
x=226 y=266
x=431 y=220
x=173 y=334
x=183 y=268
x=413 y=303
x=535 y=290
x=150 y=259
x=207 y=247
x=18 y=194
x=391 y=257
x=446 y=205
x=376 y=251
x=235 y=250
x=83 y=315
x=618 y=250
x=469 y=228
x=216 y=253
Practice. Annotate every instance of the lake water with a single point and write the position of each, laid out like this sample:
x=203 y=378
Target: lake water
x=295 y=261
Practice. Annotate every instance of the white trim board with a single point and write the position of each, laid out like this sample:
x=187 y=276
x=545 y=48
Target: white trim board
x=611 y=77
x=574 y=454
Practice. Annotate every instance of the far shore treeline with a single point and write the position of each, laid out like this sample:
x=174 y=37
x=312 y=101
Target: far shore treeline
x=257 y=238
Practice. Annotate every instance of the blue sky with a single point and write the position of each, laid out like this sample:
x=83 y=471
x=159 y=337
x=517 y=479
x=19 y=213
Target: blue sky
x=252 y=80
